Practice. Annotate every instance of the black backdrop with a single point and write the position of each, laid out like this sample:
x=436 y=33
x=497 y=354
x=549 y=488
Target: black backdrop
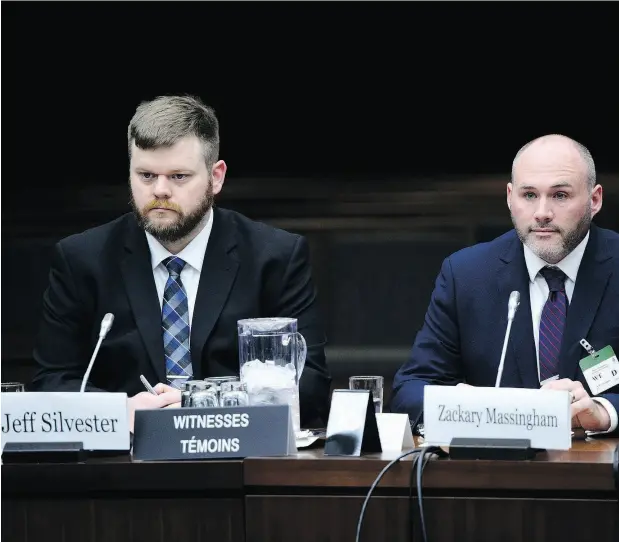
x=328 y=98
x=308 y=89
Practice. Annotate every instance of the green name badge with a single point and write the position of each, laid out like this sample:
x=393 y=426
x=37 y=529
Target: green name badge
x=601 y=370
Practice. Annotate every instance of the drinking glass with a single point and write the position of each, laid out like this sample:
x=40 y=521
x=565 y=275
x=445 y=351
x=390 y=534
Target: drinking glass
x=218 y=380
x=207 y=398
x=12 y=387
x=372 y=383
x=234 y=394
x=189 y=388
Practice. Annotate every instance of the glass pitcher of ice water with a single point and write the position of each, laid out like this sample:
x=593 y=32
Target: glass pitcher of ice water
x=272 y=356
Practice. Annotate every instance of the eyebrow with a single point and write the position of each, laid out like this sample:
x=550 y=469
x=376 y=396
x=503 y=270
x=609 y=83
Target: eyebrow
x=172 y=171
x=564 y=184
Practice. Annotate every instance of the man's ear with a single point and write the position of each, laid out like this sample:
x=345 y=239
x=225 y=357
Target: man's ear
x=218 y=174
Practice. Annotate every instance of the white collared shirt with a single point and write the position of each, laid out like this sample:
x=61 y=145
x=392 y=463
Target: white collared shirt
x=539 y=290
x=192 y=254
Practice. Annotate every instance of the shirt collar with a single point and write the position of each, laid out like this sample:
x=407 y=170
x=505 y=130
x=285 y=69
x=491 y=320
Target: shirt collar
x=569 y=265
x=192 y=254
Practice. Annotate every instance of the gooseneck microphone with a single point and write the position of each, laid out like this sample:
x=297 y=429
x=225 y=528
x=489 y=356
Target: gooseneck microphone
x=512 y=307
x=106 y=325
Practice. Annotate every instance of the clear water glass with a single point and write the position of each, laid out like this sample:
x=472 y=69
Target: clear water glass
x=207 y=398
x=219 y=380
x=12 y=387
x=374 y=384
x=234 y=394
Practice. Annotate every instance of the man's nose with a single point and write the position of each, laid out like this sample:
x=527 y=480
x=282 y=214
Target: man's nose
x=543 y=213
x=161 y=187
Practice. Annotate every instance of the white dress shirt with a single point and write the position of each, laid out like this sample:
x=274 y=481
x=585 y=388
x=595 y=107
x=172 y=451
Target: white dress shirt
x=538 y=292
x=192 y=254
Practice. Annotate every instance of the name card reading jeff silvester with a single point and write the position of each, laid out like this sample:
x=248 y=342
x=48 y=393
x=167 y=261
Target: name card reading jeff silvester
x=211 y=433
x=542 y=416
x=98 y=420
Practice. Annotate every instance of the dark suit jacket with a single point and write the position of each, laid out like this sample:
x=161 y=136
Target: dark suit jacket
x=462 y=337
x=250 y=270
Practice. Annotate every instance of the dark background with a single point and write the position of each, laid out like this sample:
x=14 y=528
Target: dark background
x=383 y=131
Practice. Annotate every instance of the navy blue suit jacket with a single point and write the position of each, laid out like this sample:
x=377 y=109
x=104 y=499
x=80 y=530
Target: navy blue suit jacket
x=462 y=336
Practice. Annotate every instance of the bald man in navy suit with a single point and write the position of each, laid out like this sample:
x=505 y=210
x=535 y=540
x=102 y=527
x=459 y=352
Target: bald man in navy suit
x=567 y=272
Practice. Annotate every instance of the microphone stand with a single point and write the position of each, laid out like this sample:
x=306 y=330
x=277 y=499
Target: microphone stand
x=495 y=448
x=59 y=452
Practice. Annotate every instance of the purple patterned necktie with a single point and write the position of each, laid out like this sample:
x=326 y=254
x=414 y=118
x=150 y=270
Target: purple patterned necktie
x=552 y=323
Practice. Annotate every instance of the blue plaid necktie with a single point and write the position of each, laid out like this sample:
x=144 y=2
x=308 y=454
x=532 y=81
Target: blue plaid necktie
x=175 y=325
x=552 y=323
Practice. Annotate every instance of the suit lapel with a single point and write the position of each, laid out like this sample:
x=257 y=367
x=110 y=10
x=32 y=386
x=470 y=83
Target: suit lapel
x=137 y=274
x=593 y=276
x=218 y=273
x=513 y=275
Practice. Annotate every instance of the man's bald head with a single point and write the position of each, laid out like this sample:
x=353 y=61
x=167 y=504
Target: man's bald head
x=556 y=151
x=553 y=195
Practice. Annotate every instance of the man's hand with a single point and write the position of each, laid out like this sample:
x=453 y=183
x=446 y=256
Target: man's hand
x=167 y=397
x=586 y=412
x=164 y=388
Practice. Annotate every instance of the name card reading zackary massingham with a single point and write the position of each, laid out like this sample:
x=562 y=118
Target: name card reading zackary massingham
x=99 y=420
x=542 y=416
x=213 y=433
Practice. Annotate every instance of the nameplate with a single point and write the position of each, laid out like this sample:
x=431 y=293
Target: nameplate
x=542 y=416
x=213 y=433
x=395 y=432
x=98 y=420
x=351 y=427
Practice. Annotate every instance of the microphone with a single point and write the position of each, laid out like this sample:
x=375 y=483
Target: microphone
x=512 y=307
x=495 y=448
x=106 y=325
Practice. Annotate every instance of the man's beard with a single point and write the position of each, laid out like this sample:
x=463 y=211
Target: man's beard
x=568 y=242
x=182 y=227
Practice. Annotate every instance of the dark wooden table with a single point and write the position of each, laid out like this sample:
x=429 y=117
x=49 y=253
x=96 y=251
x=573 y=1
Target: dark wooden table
x=117 y=500
x=562 y=496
